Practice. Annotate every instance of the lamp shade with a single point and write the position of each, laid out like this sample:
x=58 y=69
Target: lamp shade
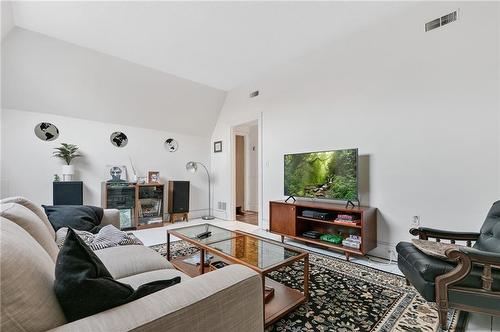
x=191 y=166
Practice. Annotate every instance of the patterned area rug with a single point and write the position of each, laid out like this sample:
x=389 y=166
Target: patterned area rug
x=347 y=297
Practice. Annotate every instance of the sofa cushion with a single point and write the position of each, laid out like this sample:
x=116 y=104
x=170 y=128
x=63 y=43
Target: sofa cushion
x=139 y=279
x=36 y=209
x=30 y=222
x=28 y=302
x=80 y=217
x=85 y=287
x=124 y=261
x=108 y=236
x=418 y=265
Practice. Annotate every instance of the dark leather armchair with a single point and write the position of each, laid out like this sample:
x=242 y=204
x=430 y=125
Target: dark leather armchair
x=469 y=281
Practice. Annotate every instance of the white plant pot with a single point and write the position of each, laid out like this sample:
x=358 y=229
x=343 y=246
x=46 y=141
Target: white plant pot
x=67 y=172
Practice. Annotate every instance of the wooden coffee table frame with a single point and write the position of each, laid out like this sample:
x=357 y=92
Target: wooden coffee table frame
x=284 y=299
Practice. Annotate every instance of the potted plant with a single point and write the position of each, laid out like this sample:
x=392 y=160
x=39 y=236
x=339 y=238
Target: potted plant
x=67 y=152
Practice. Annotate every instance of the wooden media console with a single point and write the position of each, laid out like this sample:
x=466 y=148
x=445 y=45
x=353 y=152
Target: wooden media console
x=286 y=220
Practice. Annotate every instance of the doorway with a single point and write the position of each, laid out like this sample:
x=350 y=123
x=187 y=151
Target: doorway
x=246 y=156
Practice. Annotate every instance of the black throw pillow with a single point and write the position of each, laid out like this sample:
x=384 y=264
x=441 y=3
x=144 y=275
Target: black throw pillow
x=84 y=286
x=80 y=217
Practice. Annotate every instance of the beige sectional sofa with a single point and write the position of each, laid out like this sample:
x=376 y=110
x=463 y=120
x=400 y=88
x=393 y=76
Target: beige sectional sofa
x=229 y=299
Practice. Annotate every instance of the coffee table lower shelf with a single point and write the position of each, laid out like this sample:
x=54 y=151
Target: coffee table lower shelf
x=282 y=301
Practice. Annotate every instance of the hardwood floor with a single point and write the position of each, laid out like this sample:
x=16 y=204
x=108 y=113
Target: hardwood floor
x=248 y=217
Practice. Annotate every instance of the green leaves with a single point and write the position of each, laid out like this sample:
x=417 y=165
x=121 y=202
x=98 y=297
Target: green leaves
x=66 y=152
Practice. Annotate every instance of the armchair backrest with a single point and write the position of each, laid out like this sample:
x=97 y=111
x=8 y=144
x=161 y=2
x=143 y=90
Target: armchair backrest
x=489 y=239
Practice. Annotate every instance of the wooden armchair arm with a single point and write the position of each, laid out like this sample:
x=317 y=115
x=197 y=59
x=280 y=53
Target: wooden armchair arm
x=425 y=233
x=466 y=258
x=482 y=257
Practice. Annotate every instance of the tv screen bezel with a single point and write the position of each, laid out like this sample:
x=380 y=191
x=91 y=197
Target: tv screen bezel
x=322 y=198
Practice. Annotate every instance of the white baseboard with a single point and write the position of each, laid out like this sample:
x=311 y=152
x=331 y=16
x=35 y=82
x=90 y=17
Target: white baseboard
x=384 y=250
x=220 y=214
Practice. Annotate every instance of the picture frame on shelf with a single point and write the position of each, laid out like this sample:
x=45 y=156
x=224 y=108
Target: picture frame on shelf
x=218 y=146
x=153 y=177
x=116 y=173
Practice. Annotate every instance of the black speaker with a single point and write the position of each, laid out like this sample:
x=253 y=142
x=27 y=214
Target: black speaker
x=178 y=196
x=67 y=193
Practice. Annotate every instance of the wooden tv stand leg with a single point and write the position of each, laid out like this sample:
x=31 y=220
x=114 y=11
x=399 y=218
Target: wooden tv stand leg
x=347 y=256
x=174 y=216
x=282 y=239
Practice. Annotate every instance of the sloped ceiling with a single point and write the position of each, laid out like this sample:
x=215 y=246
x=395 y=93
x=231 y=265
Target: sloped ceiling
x=161 y=65
x=43 y=74
x=219 y=44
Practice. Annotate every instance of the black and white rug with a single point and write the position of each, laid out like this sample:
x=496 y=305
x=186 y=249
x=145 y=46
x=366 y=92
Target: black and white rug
x=347 y=297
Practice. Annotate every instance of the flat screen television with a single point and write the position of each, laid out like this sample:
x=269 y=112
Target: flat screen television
x=325 y=174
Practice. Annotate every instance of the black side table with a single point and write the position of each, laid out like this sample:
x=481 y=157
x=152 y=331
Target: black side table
x=67 y=193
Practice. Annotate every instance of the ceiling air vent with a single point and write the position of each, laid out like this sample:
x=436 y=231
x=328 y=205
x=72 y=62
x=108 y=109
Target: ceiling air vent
x=443 y=20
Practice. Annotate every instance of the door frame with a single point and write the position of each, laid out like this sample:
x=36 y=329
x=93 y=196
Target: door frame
x=233 y=133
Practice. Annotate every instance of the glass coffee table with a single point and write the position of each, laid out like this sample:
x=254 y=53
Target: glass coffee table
x=235 y=247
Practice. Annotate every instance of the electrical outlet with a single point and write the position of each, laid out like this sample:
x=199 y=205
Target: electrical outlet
x=392 y=254
x=415 y=221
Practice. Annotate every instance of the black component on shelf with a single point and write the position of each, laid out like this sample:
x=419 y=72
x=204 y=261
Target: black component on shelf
x=318 y=215
x=312 y=234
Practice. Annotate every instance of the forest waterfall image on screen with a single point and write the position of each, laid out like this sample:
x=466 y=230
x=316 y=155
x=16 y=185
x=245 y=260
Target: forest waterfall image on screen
x=328 y=174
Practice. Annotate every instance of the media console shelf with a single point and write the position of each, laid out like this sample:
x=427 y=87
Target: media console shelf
x=286 y=220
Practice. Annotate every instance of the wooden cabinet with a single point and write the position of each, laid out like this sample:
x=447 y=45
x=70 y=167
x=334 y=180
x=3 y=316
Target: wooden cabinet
x=140 y=205
x=287 y=220
x=282 y=220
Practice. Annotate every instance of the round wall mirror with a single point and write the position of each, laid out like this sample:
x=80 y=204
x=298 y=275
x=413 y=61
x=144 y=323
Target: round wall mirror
x=118 y=139
x=46 y=131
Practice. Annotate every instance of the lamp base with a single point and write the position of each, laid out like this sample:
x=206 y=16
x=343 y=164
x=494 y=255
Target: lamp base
x=208 y=217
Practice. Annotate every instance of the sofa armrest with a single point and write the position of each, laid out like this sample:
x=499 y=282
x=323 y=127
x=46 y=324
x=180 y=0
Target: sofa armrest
x=229 y=299
x=111 y=217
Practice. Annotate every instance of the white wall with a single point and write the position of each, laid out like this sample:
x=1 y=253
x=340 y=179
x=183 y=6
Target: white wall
x=7 y=18
x=28 y=168
x=43 y=74
x=421 y=107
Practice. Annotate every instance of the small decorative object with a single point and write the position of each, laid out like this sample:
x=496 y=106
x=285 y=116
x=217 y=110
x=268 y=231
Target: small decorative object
x=46 y=131
x=153 y=177
x=118 y=139
x=67 y=152
x=118 y=173
x=56 y=178
x=141 y=180
x=134 y=174
x=218 y=146
x=171 y=144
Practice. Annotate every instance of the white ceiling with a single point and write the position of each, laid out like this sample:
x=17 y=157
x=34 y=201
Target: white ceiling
x=220 y=44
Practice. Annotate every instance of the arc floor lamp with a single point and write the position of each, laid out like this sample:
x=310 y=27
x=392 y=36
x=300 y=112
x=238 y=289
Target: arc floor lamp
x=192 y=167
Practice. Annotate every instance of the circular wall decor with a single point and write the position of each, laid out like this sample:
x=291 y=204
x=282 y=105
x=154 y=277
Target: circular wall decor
x=171 y=144
x=118 y=139
x=46 y=131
